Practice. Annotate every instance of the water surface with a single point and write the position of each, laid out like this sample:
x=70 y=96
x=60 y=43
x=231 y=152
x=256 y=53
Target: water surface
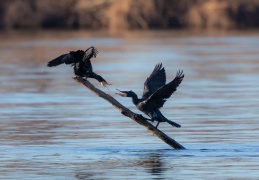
x=53 y=128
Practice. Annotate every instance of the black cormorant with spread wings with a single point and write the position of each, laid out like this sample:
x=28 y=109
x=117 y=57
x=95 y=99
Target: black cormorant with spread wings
x=156 y=91
x=81 y=60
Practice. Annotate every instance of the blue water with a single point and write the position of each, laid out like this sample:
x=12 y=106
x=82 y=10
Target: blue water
x=51 y=127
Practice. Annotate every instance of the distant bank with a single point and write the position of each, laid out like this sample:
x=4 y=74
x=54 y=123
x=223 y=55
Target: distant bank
x=117 y=15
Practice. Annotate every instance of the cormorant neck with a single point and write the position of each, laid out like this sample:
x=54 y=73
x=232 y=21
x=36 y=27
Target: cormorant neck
x=135 y=98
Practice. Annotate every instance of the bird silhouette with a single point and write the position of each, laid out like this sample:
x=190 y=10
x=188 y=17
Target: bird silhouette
x=156 y=91
x=81 y=60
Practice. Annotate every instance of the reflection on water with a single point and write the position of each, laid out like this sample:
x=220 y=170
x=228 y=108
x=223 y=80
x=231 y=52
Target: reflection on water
x=153 y=163
x=52 y=127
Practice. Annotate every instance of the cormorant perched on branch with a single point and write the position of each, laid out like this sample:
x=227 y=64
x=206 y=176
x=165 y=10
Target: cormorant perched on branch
x=81 y=60
x=155 y=93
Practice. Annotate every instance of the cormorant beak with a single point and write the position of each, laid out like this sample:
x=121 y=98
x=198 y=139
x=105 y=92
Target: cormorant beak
x=121 y=93
x=104 y=83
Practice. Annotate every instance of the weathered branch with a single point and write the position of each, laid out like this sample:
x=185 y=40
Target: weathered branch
x=126 y=112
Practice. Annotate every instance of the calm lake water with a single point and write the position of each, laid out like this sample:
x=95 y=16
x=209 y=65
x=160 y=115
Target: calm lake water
x=53 y=128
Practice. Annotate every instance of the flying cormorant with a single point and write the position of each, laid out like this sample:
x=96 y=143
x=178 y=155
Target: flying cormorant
x=155 y=94
x=81 y=60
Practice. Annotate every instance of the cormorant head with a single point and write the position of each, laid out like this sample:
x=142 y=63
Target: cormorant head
x=99 y=78
x=104 y=83
x=125 y=93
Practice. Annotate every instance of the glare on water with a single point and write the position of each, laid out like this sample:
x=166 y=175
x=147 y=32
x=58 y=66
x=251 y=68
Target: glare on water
x=52 y=127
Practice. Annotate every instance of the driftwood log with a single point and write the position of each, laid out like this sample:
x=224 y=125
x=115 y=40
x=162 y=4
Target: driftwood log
x=126 y=112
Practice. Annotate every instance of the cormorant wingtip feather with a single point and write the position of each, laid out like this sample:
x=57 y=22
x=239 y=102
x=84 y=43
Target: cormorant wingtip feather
x=158 y=67
x=179 y=73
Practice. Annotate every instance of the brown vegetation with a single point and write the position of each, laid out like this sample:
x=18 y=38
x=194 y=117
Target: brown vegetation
x=128 y=14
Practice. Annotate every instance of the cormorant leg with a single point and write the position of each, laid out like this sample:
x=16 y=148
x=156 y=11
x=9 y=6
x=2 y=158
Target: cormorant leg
x=157 y=124
x=152 y=119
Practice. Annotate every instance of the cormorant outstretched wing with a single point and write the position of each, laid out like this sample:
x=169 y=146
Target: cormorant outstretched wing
x=155 y=81
x=64 y=58
x=158 y=98
x=90 y=53
x=56 y=61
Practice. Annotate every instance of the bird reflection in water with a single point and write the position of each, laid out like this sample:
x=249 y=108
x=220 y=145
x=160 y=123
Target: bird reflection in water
x=154 y=164
x=84 y=176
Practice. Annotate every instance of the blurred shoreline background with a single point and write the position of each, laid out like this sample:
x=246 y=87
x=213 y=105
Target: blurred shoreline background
x=120 y=15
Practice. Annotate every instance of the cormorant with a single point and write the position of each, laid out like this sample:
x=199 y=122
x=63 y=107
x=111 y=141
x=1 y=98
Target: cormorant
x=81 y=60
x=155 y=94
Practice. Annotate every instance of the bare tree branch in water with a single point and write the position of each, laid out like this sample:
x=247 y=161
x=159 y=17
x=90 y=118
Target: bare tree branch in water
x=126 y=112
